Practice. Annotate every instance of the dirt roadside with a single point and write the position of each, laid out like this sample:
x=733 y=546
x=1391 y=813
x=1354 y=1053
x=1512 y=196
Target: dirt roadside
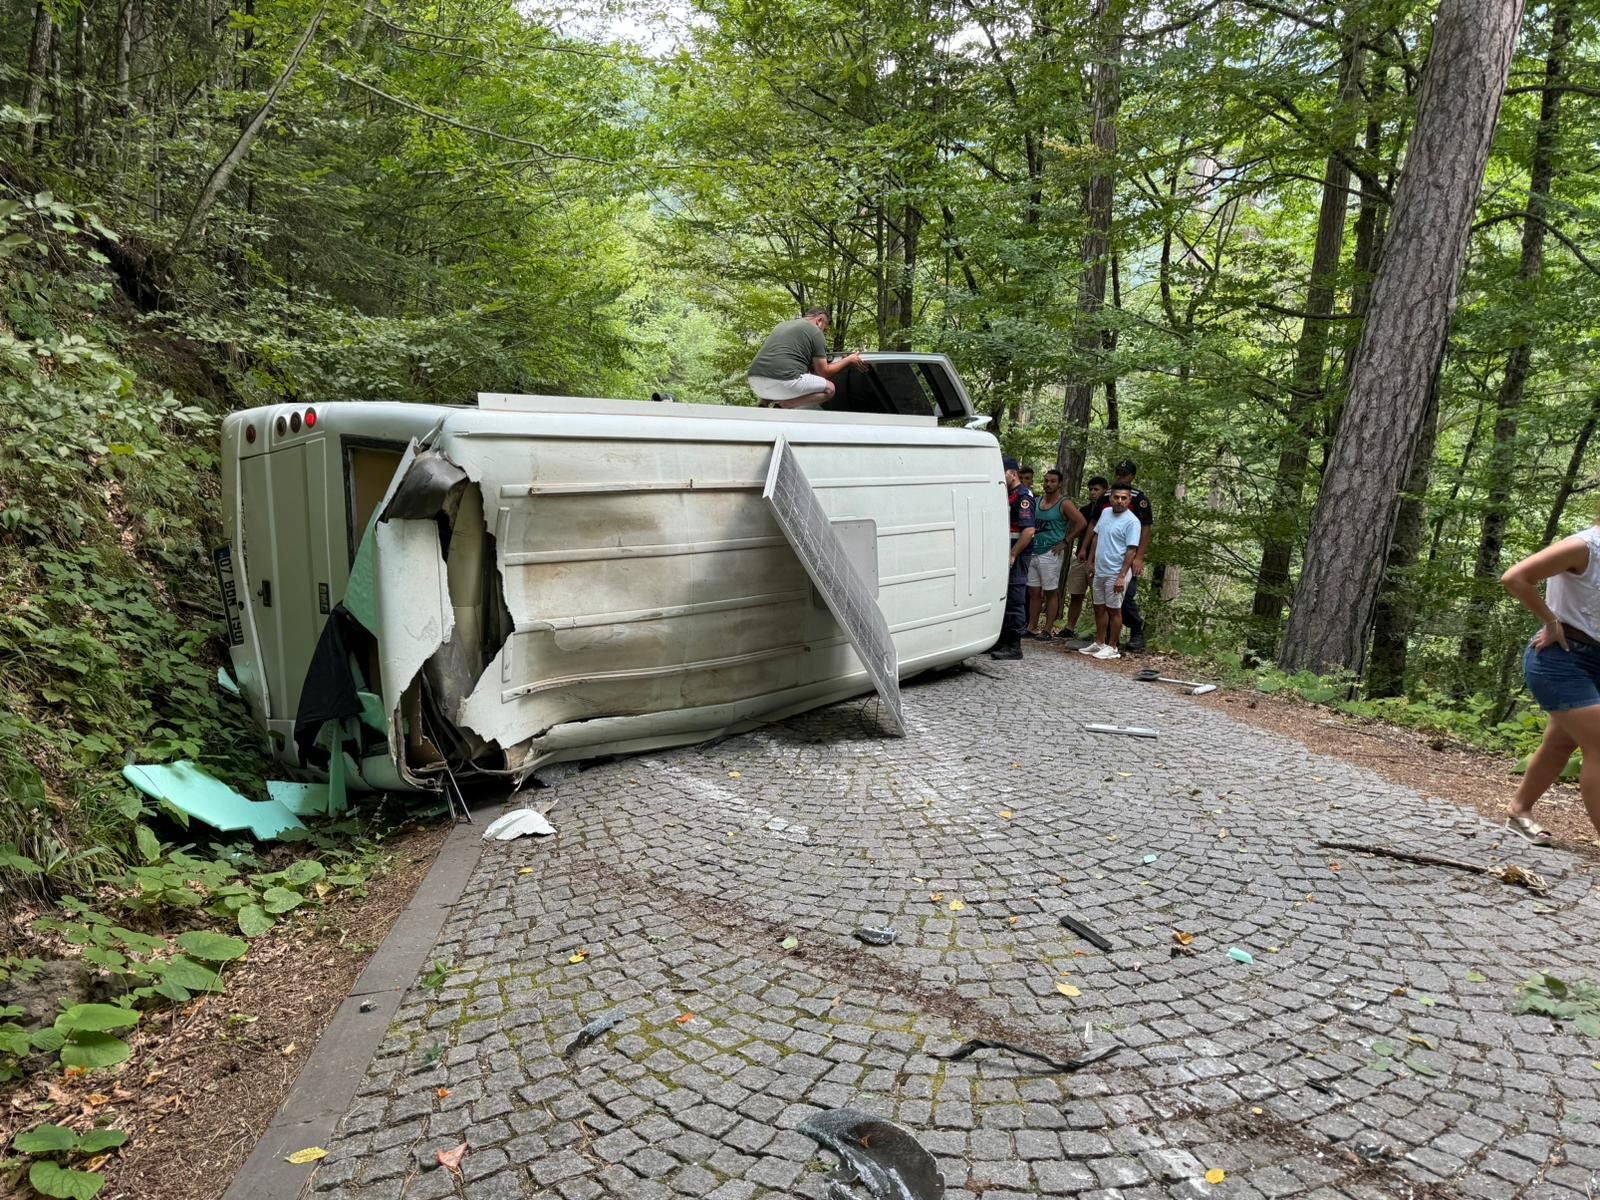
x=204 y=1080
x=1428 y=763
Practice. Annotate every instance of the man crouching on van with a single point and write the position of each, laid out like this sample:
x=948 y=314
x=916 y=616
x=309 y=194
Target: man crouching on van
x=791 y=370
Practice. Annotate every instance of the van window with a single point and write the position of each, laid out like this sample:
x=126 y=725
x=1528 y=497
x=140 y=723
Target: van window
x=369 y=466
x=909 y=387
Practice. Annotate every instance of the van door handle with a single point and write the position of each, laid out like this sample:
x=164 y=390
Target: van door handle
x=265 y=592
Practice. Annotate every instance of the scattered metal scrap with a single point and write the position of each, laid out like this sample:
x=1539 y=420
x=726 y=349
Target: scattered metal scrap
x=1087 y=934
x=883 y=1157
x=1057 y=1066
x=1195 y=689
x=1505 y=873
x=1138 y=731
x=593 y=1032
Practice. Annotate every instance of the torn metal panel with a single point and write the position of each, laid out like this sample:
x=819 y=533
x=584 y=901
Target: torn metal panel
x=411 y=609
x=426 y=485
x=884 y=1157
x=788 y=493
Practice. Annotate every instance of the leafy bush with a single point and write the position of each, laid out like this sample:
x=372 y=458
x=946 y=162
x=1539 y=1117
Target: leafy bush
x=46 y=1144
x=103 y=539
x=1577 y=1002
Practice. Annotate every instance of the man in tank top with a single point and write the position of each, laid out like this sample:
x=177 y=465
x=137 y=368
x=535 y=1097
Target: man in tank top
x=1057 y=524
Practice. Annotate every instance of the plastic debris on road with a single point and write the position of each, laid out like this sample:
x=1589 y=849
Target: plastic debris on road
x=524 y=822
x=874 y=935
x=593 y=1031
x=883 y=1157
x=1138 y=731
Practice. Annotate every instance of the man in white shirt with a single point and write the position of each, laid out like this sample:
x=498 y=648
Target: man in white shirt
x=1113 y=546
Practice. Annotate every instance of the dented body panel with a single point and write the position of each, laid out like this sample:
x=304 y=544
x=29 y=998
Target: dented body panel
x=607 y=578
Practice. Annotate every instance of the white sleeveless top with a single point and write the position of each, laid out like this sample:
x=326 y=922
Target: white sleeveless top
x=1575 y=598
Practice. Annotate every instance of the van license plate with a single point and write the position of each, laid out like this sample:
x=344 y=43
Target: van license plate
x=222 y=558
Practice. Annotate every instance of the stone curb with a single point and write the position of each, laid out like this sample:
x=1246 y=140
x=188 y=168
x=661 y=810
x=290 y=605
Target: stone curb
x=325 y=1087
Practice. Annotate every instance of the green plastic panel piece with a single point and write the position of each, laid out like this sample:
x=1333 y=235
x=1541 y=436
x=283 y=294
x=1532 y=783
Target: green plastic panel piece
x=302 y=799
x=189 y=789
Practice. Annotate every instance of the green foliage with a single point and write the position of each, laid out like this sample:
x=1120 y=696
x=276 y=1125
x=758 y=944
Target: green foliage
x=45 y=1144
x=15 y=1044
x=1577 y=1003
x=1469 y=721
x=212 y=947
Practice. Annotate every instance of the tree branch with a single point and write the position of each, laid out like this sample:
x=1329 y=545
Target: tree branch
x=219 y=178
x=466 y=128
x=1577 y=252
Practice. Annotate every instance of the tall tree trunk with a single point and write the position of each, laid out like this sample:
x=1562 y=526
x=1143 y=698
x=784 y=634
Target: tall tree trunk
x=1303 y=416
x=1402 y=340
x=911 y=238
x=124 y=54
x=1569 y=480
x=1395 y=614
x=1461 y=478
x=223 y=172
x=80 y=38
x=1072 y=448
x=1519 y=363
x=38 y=69
x=1108 y=343
x=1372 y=215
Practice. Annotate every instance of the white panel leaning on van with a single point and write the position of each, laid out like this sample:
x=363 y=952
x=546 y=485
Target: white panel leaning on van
x=542 y=579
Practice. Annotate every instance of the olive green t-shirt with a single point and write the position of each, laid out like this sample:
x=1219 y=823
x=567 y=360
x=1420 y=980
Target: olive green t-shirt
x=789 y=350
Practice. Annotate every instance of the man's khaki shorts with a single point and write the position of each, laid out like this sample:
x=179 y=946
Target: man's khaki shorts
x=773 y=390
x=1078 y=576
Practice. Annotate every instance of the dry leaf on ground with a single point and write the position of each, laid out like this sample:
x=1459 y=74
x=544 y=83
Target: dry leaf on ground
x=450 y=1160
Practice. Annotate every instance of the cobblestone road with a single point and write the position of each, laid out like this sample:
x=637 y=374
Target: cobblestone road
x=1369 y=1050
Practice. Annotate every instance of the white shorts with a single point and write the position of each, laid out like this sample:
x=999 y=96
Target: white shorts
x=1104 y=593
x=1044 y=570
x=1078 y=576
x=786 y=389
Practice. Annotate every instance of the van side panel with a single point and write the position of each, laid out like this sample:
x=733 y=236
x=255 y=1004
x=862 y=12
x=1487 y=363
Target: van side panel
x=634 y=589
x=647 y=578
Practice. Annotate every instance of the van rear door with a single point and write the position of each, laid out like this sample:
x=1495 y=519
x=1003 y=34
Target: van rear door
x=286 y=553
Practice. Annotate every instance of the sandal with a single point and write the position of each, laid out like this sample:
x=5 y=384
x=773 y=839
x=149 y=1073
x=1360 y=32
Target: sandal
x=1527 y=827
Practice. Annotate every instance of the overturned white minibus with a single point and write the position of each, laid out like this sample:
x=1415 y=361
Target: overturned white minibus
x=482 y=590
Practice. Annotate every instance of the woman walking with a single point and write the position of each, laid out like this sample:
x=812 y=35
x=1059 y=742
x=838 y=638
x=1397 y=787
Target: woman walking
x=1562 y=667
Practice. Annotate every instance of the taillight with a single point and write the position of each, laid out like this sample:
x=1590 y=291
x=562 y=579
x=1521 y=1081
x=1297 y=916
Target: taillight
x=281 y=426
x=294 y=422
x=250 y=434
x=311 y=418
